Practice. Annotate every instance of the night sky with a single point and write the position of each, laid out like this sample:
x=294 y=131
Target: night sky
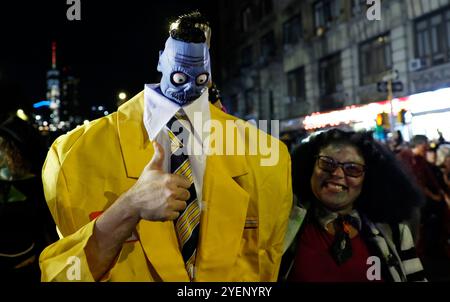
x=114 y=47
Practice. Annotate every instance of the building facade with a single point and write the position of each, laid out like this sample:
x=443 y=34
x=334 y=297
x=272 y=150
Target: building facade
x=70 y=99
x=61 y=111
x=286 y=59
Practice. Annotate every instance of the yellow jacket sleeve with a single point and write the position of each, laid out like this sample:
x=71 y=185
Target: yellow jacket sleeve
x=65 y=260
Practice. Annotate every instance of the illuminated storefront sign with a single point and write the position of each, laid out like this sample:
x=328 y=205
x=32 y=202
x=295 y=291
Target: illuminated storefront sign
x=419 y=104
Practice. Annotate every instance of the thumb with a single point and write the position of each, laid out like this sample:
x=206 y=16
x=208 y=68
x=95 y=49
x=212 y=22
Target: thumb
x=157 y=160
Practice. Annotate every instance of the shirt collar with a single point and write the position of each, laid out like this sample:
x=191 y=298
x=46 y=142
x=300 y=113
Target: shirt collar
x=325 y=216
x=198 y=109
x=159 y=110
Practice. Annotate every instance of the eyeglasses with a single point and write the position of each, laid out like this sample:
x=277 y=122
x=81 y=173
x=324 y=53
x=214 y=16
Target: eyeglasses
x=329 y=164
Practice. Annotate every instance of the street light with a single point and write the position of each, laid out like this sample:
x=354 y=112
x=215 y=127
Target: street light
x=122 y=96
x=21 y=114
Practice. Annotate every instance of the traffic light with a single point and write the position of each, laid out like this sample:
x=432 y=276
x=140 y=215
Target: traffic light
x=383 y=120
x=401 y=117
x=379 y=119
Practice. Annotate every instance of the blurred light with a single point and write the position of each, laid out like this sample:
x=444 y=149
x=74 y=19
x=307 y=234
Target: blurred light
x=54 y=105
x=365 y=115
x=86 y=122
x=38 y=117
x=174 y=26
x=427 y=124
x=21 y=114
x=100 y=108
x=122 y=96
x=45 y=123
x=379 y=119
x=106 y=113
x=408 y=117
x=429 y=101
x=94 y=108
x=353 y=114
x=41 y=104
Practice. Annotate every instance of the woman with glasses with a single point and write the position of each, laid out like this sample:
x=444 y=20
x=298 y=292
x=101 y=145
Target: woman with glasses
x=349 y=225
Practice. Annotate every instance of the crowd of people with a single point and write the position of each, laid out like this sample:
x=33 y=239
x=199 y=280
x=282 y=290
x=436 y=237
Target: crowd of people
x=429 y=163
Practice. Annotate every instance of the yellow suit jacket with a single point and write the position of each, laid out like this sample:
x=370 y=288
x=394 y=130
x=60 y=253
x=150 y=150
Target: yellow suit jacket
x=242 y=227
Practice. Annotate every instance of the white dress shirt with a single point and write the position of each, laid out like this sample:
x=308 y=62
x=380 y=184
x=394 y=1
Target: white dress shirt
x=158 y=110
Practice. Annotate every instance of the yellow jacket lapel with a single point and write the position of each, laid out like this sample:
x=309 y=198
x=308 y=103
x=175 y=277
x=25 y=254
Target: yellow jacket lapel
x=223 y=219
x=158 y=239
x=160 y=244
x=134 y=142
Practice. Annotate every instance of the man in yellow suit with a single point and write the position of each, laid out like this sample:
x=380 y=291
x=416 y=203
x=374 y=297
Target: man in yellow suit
x=136 y=199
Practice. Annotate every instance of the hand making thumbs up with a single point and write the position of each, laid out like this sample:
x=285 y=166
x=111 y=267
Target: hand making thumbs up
x=158 y=196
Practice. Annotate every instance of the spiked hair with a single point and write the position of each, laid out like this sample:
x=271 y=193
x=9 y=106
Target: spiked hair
x=191 y=28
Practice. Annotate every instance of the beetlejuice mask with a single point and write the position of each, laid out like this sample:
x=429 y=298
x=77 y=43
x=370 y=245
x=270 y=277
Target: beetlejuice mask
x=186 y=70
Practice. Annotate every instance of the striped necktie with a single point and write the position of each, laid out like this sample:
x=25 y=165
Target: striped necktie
x=187 y=224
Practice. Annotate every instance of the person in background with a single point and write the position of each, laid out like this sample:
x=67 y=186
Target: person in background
x=443 y=162
x=354 y=199
x=431 y=241
x=436 y=166
x=26 y=226
x=441 y=140
x=397 y=143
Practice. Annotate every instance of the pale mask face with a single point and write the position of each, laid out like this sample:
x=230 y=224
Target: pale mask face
x=186 y=70
x=336 y=190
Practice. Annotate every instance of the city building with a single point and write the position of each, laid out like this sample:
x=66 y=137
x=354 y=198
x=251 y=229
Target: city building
x=54 y=90
x=60 y=111
x=292 y=60
x=70 y=99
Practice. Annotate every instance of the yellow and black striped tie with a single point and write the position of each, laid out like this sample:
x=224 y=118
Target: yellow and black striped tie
x=187 y=225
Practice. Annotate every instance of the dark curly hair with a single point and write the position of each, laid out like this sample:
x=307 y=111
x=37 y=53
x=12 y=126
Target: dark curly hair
x=388 y=195
x=191 y=28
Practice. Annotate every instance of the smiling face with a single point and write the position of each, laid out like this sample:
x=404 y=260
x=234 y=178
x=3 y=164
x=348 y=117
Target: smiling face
x=335 y=190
